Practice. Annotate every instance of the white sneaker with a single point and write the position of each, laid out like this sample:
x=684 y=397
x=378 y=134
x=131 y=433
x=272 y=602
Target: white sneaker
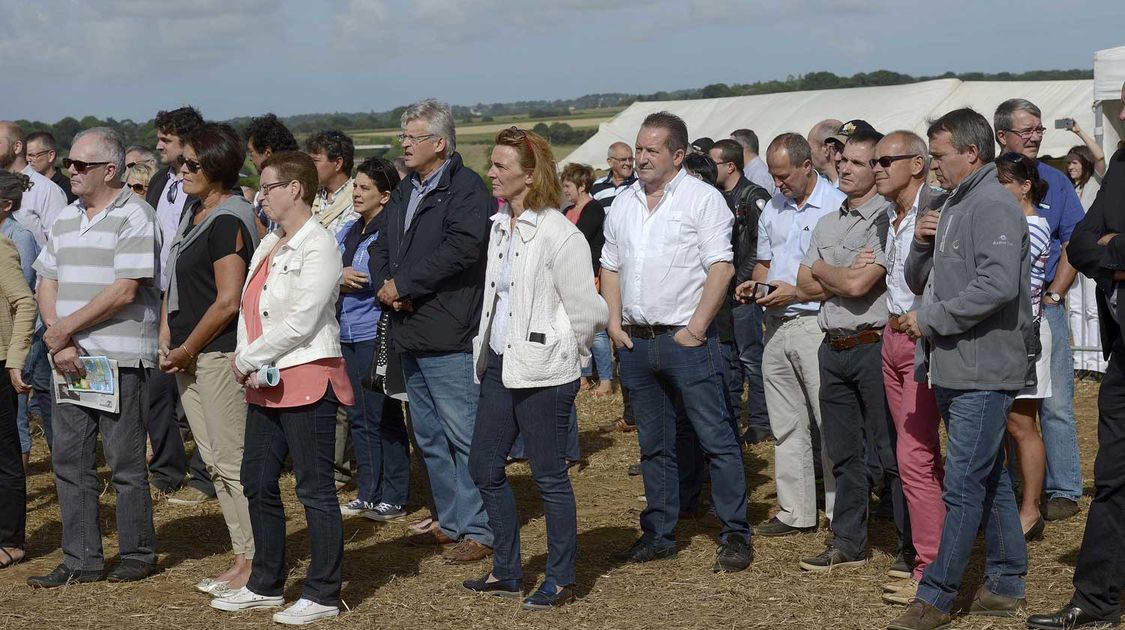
x=245 y=599
x=209 y=586
x=305 y=611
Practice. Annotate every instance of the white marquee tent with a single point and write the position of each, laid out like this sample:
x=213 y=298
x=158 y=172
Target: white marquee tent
x=1109 y=75
x=887 y=108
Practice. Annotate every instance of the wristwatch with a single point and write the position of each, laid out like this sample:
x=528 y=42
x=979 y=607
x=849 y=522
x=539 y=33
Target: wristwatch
x=1057 y=298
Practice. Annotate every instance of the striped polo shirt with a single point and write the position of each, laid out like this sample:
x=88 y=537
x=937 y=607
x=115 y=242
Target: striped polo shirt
x=86 y=255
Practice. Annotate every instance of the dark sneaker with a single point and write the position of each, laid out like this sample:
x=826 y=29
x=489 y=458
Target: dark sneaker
x=643 y=551
x=920 y=616
x=831 y=558
x=989 y=604
x=130 y=571
x=1059 y=508
x=548 y=596
x=734 y=555
x=500 y=588
x=634 y=470
x=384 y=512
x=902 y=567
x=63 y=575
x=1069 y=616
x=774 y=527
x=756 y=435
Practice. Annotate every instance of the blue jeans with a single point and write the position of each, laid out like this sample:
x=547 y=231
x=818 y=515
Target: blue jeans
x=573 y=450
x=37 y=373
x=542 y=416
x=657 y=372
x=306 y=434
x=1056 y=412
x=749 y=340
x=443 y=410
x=603 y=358
x=379 y=439
x=978 y=495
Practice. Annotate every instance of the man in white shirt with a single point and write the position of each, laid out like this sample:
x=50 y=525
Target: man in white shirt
x=42 y=203
x=754 y=167
x=666 y=266
x=790 y=367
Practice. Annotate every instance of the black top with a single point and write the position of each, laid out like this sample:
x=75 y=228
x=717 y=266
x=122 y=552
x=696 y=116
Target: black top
x=590 y=223
x=63 y=181
x=195 y=276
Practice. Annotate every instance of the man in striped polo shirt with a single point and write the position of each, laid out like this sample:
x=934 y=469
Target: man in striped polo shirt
x=620 y=176
x=98 y=296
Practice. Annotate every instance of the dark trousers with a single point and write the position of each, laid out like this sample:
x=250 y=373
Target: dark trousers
x=1100 y=572
x=168 y=430
x=13 y=483
x=542 y=416
x=749 y=341
x=854 y=419
x=657 y=371
x=74 y=458
x=378 y=430
x=308 y=435
x=691 y=462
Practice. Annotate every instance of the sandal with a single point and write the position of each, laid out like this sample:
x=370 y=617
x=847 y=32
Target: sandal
x=12 y=560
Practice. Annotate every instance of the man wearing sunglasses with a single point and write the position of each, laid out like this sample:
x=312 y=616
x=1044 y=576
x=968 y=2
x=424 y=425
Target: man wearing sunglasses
x=43 y=202
x=1019 y=129
x=184 y=479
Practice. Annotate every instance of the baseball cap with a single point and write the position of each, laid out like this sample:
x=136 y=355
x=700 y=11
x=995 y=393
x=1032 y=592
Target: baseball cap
x=702 y=145
x=847 y=129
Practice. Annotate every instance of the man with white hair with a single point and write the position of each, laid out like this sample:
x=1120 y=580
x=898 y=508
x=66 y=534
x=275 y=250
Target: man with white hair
x=43 y=202
x=823 y=158
x=429 y=261
x=620 y=176
x=99 y=296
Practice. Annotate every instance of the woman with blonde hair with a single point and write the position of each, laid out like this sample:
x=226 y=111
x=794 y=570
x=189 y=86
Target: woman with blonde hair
x=541 y=312
x=138 y=176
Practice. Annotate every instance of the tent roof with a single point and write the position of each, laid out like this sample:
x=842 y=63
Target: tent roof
x=887 y=108
x=1109 y=73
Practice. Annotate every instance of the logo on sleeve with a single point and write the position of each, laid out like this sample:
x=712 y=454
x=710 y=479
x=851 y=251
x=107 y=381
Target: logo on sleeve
x=1002 y=240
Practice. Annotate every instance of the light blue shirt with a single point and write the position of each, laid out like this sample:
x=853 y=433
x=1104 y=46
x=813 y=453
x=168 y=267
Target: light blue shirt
x=420 y=190
x=784 y=233
x=757 y=172
x=25 y=244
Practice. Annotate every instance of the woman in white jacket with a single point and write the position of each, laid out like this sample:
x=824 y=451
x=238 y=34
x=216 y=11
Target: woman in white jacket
x=288 y=356
x=540 y=314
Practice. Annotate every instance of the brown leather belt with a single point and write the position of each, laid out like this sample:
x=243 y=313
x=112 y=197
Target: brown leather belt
x=647 y=332
x=862 y=338
x=895 y=322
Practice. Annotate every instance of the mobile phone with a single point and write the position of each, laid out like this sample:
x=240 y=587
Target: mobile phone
x=1064 y=123
x=761 y=290
x=537 y=337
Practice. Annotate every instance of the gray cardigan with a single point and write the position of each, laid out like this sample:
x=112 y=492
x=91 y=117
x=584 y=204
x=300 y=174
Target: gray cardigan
x=977 y=313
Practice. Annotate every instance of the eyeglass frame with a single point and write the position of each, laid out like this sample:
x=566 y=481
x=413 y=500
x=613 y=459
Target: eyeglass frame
x=265 y=190
x=1026 y=135
x=402 y=138
x=85 y=166
x=890 y=159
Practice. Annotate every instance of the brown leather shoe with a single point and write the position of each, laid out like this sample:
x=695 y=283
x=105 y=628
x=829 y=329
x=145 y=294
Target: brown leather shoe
x=990 y=604
x=920 y=616
x=467 y=550
x=617 y=426
x=432 y=537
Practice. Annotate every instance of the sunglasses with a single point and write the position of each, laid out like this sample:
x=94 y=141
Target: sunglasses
x=80 y=166
x=887 y=160
x=138 y=188
x=193 y=166
x=521 y=135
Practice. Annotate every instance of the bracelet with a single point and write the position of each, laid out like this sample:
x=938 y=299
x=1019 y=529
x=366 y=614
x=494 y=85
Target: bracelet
x=696 y=337
x=186 y=351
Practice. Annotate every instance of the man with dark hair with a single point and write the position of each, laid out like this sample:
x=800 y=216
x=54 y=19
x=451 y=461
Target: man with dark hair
x=265 y=136
x=42 y=153
x=666 y=269
x=184 y=478
x=970 y=261
x=746 y=200
x=753 y=166
x=853 y=314
x=333 y=153
x=1019 y=129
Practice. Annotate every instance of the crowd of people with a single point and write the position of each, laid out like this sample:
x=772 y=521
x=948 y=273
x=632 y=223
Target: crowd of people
x=847 y=292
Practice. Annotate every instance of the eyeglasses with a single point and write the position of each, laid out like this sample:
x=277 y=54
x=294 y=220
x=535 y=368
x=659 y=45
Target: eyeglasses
x=265 y=190
x=131 y=164
x=887 y=160
x=138 y=188
x=1026 y=134
x=35 y=156
x=627 y=160
x=402 y=138
x=193 y=166
x=80 y=166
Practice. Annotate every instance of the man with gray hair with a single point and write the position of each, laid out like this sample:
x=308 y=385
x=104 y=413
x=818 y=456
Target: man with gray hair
x=137 y=154
x=1019 y=129
x=753 y=166
x=43 y=202
x=42 y=155
x=620 y=176
x=429 y=261
x=823 y=153
x=98 y=296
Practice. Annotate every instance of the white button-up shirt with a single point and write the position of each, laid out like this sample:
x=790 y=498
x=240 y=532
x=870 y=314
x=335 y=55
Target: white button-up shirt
x=662 y=256
x=503 y=220
x=168 y=213
x=784 y=232
x=900 y=299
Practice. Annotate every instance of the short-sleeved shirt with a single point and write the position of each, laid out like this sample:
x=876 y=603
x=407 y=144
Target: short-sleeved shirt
x=86 y=255
x=40 y=205
x=757 y=172
x=1062 y=209
x=784 y=234
x=836 y=240
x=195 y=280
x=605 y=190
x=662 y=255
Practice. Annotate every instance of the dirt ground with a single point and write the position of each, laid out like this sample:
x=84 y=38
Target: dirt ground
x=390 y=585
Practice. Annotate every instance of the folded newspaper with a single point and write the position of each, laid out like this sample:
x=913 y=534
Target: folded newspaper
x=96 y=390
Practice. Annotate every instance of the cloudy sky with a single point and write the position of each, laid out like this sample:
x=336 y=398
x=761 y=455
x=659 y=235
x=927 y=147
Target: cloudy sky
x=130 y=58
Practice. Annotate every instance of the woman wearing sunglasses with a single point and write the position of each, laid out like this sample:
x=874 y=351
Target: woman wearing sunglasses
x=206 y=267
x=541 y=312
x=138 y=176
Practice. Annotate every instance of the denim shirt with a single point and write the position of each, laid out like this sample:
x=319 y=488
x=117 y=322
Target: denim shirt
x=25 y=244
x=358 y=310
